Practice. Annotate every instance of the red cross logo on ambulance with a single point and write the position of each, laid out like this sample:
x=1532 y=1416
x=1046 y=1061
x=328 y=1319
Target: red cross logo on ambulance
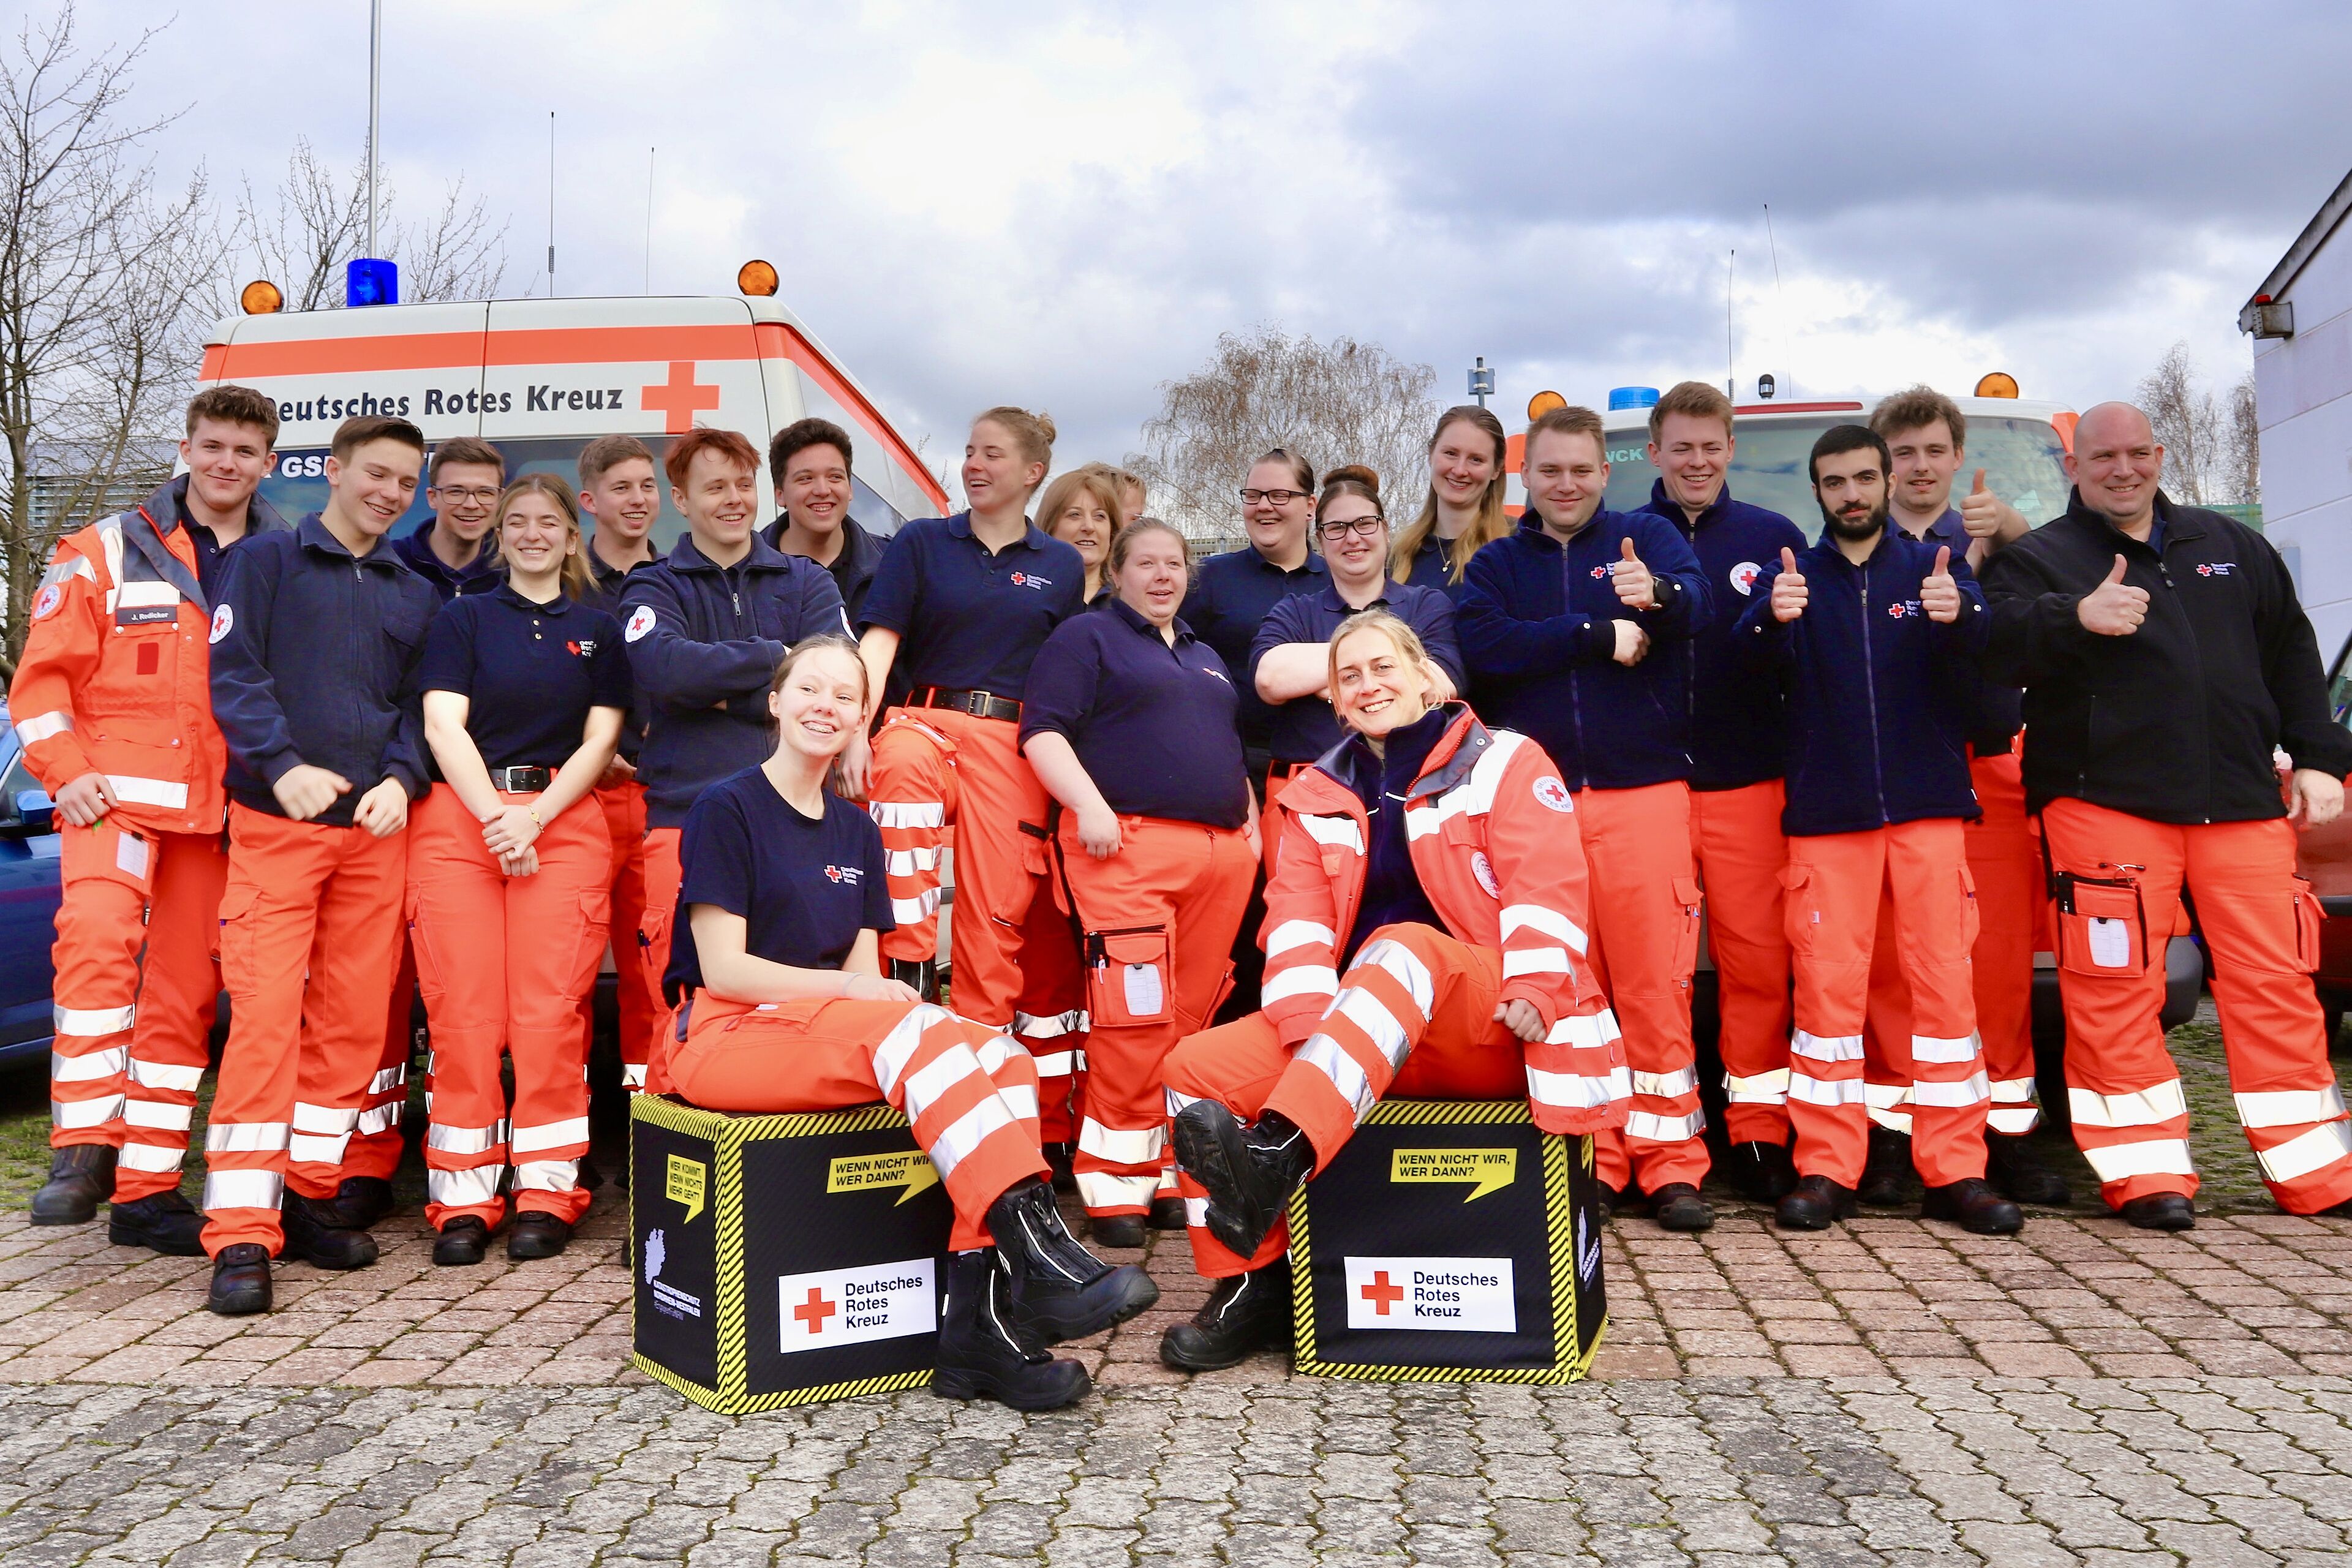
x=223 y=619
x=641 y=621
x=1743 y=578
x=1553 y=794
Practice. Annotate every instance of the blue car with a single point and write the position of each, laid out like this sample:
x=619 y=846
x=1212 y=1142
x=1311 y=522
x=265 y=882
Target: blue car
x=29 y=903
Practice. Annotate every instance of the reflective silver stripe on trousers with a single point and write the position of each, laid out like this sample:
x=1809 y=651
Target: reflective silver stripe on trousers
x=2157 y=1103
x=388 y=1079
x=241 y=1190
x=162 y=1115
x=465 y=1140
x=1664 y=1129
x=547 y=1175
x=1364 y=1010
x=2013 y=1110
x=1970 y=1090
x=2278 y=1107
x=90 y=1022
x=469 y=1188
x=1328 y=1056
x=890 y=1057
x=549 y=1135
x=89 y=1067
x=935 y=1077
x=1824 y=1092
x=81 y=1113
x=1122 y=1146
x=1045 y=1025
x=158 y=1158
x=1759 y=1089
x=1666 y=1085
x=165 y=1077
x=907 y=814
x=2305 y=1153
x=1943 y=1049
x=962 y=1136
x=245 y=1137
x=1406 y=965
x=376 y=1121
x=906 y=911
x=2149 y=1157
x=1102 y=1190
x=1826 y=1048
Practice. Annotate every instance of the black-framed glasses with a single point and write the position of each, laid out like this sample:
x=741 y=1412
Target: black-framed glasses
x=1332 y=532
x=458 y=496
x=1279 y=497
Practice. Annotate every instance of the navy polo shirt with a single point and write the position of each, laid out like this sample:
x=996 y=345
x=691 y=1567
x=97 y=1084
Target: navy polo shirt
x=1228 y=601
x=806 y=887
x=971 y=619
x=1152 y=724
x=478 y=576
x=1393 y=892
x=1306 y=729
x=530 y=672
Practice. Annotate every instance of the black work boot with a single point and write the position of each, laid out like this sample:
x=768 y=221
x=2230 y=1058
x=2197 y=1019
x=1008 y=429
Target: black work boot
x=1816 y=1203
x=1249 y=1172
x=363 y=1200
x=1167 y=1213
x=462 y=1241
x=982 y=1355
x=81 y=1177
x=167 y=1222
x=536 y=1233
x=1059 y=1290
x=2013 y=1168
x=319 y=1233
x=1972 y=1205
x=240 y=1280
x=922 y=973
x=1886 y=1170
x=1062 y=1159
x=1121 y=1230
x=1677 y=1207
x=2162 y=1211
x=1761 y=1173
x=1247 y=1313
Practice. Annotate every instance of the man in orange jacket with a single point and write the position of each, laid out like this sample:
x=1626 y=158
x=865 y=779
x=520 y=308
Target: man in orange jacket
x=113 y=704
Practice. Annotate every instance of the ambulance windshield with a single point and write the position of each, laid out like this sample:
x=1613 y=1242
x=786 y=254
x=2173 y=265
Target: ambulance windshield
x=2023 y=459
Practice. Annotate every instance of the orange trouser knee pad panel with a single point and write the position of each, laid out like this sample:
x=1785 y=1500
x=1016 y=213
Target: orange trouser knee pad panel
x=1835 y=884
x=1377 y=1040
x=636 y=996
x=2005 y=856
x=503 y=962
x=970 y=1092
x=132 y=1000
x=2260 y=924
x=1159 y=919
x=1646 y=918
x=309 y=937
x=1736 y=838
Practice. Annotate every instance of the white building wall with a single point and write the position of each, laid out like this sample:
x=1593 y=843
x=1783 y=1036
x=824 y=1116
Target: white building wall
x=2303 y=388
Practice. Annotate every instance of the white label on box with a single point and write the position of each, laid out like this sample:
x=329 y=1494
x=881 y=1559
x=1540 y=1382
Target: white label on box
x=1456 y=1294
x=2110 y=944
x=1145 y=996
x=852 y=1306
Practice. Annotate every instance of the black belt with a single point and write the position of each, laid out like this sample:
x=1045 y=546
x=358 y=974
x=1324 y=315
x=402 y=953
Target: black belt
x=521 y=780
x=978 y=704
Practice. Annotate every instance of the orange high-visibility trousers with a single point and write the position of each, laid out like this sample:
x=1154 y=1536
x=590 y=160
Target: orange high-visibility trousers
x=1645 y=922
x=1735 y=837
x=376 y=1145
x=665 y=874
x=1050 y=1019
x=2260 y=924
x=132 y=1002
x=503 y=962
x=1833 y=883
x=310 y=934
x=2004 y=852
x=1159 y=919
x=637 y=994
x=1419 y=1021
x=971 y=1092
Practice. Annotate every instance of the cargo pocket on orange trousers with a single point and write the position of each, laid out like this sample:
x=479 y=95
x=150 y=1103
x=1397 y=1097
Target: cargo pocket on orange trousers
x=1971 y=912
x=235 y=946
x=1686 y=929
x=2310 y=920
x=595 y=923
x=431 y=977
x=1128 y=976
x=2101 y=926
x=1798 y=918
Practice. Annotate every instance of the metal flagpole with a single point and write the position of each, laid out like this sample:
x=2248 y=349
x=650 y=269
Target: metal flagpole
x=375 y=111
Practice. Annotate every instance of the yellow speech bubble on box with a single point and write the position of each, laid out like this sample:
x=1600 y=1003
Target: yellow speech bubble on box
x=910 y=1169
x=1486 y=1170
x=688 y=1184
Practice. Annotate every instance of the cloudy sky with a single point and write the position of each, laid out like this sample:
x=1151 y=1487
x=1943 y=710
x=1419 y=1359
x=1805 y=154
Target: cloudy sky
x=1064 y=205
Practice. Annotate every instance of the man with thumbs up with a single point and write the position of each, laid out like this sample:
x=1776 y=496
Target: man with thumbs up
x=1926 y=440
x=1878 y=633
x=2164 y=656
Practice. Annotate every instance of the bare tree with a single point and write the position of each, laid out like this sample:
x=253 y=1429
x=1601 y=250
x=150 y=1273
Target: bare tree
x=1333 y=403
x=301 y=236
x=102 y=284
x=2241 y=443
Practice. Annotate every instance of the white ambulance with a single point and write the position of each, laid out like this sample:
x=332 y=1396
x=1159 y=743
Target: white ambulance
x=541 y=378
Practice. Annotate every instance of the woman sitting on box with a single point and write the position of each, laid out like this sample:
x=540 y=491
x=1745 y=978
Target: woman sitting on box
x=1424 y=936
x=783 y=1006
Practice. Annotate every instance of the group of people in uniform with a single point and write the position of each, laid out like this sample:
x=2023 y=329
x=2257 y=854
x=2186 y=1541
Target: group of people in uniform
x=1238 y=847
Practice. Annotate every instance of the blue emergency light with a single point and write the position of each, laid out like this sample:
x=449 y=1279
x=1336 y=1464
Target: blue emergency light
x=1632 y=397
x=369 y=281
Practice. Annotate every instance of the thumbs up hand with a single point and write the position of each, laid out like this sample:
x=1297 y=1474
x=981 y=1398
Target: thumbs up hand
x=1939 y=596
x=1788 y=593
x=2114 y=608
x=1987 y=517
x=1637 y=589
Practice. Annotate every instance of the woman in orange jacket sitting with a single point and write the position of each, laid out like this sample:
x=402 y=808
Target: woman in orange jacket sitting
x=1424 y=935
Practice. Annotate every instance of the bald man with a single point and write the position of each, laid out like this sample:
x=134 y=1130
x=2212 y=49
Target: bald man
x=2164 y=656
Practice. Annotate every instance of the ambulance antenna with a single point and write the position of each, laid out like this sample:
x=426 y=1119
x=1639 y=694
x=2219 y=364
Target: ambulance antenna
x=375 y=103
x=551 y=204
x=649 y=217
x=1730 y=376
x=1780 y=300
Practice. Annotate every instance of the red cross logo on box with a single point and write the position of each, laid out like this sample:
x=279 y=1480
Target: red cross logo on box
x=815 y=1310
x=677 y=399
x=1381 y=1294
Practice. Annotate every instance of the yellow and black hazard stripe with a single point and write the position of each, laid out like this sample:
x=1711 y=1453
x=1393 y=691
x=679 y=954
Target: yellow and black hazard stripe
x=1571 y=1361
x=740 y=1403
x=721 y=1126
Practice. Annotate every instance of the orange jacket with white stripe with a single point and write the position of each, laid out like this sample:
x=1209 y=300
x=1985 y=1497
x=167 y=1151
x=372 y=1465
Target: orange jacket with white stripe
x=1484 y=825
x=115 y=677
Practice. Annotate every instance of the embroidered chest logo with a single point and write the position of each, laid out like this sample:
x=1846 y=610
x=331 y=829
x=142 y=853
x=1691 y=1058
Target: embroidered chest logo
x=223 y=619
x=641 y=621
x=1601 y=571
x=45 y=602
x=1552 y=794
x=1902 y=607
x=1484 y=869
x=585 y=649
x=1743 y=578
x=1029 y=580
x=847 y=875
x=2215 y=568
